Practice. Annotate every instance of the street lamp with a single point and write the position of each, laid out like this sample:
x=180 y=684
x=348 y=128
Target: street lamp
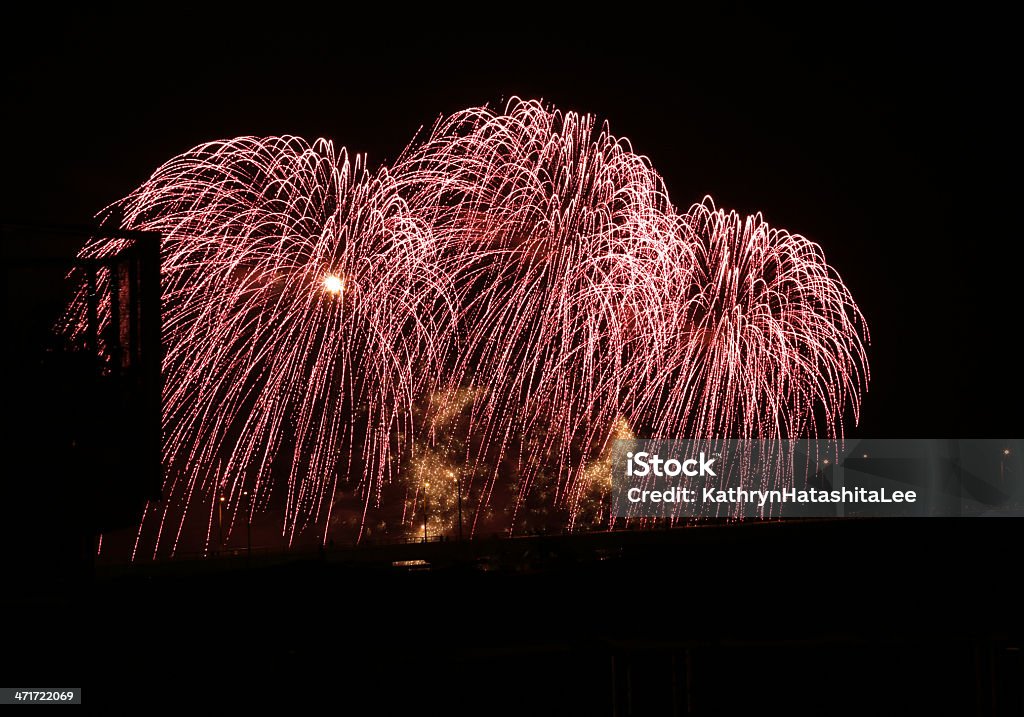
x=220 y=522
x=458 y=490
x=425 y=487
x=248 y=524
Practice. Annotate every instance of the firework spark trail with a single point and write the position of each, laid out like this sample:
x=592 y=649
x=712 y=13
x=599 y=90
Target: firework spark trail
x=526 y=255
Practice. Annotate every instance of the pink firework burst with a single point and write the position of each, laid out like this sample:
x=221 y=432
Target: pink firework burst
x=769 y=334
x=303 y=318
x=561 y=242
x=527 y=256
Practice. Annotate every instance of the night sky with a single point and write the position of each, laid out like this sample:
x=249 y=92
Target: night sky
x=884 y=138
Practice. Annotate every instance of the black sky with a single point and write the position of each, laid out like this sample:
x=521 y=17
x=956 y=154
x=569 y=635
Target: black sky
x=885 y=138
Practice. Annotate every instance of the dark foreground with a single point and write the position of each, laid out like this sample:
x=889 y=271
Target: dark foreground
x=837 y=617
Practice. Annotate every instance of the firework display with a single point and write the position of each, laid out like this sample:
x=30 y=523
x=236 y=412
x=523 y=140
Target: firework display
x=513 y=292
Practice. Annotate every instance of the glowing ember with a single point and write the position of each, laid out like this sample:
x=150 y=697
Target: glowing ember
x=333 y=284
